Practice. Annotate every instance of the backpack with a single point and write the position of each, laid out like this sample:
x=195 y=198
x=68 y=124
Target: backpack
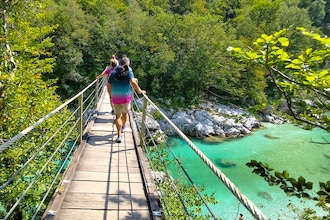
x=121 y=72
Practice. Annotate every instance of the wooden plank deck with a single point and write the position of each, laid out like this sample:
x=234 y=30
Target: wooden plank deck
x=106 y=180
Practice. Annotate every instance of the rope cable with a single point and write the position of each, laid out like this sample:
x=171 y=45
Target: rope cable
x=201 y=197
x=241 y=197
x=27 y=130
x=67 y=158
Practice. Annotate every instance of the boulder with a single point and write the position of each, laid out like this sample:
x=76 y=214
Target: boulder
x=225 y=163
x=209 y=119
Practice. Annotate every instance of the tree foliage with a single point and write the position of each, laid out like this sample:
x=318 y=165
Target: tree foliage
x=301 y=79
x=179 y=197
x=26 y=45
x=51 y=49
x=300 y=187
x=25 y=96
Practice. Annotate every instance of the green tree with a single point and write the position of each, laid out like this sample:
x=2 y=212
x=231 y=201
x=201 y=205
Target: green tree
x=301 y=79
x=204 y=67
x=317 y=12
x=305 y=3
x=256 y=17
x=302 y=82
x=71 y=39
x=326 y=20
x=25 y=97
x=224 y=8
x=154 y=57
x=30 y=50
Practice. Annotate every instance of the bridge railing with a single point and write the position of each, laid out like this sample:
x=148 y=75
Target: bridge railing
x=32 y=162
x=180 y=198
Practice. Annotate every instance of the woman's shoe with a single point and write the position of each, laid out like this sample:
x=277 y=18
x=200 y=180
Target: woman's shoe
x=118 y=140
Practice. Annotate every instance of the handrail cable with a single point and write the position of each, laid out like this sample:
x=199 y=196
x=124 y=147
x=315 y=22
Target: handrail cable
x=30 y=128
x=241 y=197
x=73 y=127
x=182 y=168
x=168 y=174
x=89 y=104
x=147 y=153
x=33 y=156
x=37 y=175
x=180 y=165
x=58 y=173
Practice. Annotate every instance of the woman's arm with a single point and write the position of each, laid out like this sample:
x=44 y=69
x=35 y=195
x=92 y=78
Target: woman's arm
x=135 y=85
x=103 y=74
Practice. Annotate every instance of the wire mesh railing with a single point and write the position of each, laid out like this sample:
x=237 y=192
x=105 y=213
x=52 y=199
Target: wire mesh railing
x=32 y=162
x=180 y=197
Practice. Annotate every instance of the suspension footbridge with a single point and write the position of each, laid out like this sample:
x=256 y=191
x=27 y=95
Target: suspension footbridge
x=106 y=181
x=95 y=177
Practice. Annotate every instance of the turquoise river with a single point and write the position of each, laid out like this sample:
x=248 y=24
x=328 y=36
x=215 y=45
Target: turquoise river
x=289 y=148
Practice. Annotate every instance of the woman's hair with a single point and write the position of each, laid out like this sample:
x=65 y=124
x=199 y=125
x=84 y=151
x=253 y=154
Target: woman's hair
x=113 y=62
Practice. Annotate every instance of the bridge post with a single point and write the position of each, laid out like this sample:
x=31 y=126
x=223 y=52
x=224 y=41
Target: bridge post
x=80 y=117
x=97 y=95
x=144 y=116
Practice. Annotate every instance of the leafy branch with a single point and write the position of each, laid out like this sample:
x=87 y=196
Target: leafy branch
x=300 y=78
x=12 y=65
x=299 y=188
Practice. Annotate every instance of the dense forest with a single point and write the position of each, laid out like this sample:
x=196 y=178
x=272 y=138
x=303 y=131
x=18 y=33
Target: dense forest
x=251 y=53
x=178 y=49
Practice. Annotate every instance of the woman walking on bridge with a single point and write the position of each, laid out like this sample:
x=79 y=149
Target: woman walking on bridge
x=106 y=72
x=120 y=82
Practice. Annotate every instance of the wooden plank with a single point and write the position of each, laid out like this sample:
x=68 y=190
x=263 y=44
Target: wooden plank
x=112 y=187
x=105 y=201
x=102 y=176
x=99 y=214
x=120 y=168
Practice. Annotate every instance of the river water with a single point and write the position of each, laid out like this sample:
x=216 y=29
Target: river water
x=283 y=147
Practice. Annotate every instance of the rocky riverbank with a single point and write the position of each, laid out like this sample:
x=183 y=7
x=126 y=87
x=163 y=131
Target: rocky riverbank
x=207 y=120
